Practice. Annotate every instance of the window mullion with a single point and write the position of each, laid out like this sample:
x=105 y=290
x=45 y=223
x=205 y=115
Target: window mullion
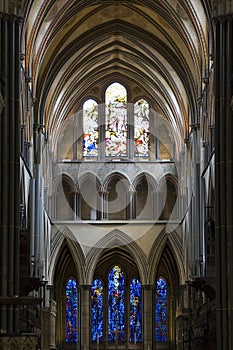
x=130 y=130
x=102 y=131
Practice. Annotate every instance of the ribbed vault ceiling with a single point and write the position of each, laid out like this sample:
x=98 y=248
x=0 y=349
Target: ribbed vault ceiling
x=158 y=49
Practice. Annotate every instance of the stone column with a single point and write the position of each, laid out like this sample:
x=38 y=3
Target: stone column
x=48 y=326
x=148 y=324
x=10 y=170
x=85 y=317
x=223 y=30
x=132 y=205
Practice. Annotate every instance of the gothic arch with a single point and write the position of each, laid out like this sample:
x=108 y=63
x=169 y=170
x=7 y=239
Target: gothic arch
x=58 y=181
x=148 y=176
x=63 y=200
x=117 y=175
x=116 y=240
x=89 y=176
x=65 y=269
x=116 y=188
x=145 y=186
x=168 y=195
x=65 y=240
x=170 y=242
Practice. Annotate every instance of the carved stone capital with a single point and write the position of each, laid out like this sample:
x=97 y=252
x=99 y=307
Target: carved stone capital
x=11 y=7
x=14 y=6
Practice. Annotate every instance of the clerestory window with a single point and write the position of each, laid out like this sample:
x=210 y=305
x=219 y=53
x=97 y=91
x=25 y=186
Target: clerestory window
x=119 y=125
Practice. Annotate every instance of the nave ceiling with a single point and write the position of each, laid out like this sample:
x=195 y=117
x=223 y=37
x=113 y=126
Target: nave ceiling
x=157 y=49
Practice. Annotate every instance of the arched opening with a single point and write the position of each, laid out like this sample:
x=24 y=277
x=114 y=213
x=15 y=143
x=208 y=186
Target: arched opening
x=166 y=286
x=116 y=302
x=88 y=200
x=65 y=199
x=117 y=196
x=67 y=300
x=144 y=199
x=168 y=196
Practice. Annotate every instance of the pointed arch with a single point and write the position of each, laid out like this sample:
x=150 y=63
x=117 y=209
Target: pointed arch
x=167 y=244
x=113 y=241
x=117 y=187
x=89 y=188
x=145 y=202
x=65 y=244
x=64 y=202
x=168 y=197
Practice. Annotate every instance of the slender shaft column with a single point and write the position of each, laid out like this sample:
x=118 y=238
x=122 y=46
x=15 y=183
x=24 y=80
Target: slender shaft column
x=223 y=26
x=148 y=331
x=132 y=205
x=10 y=170
x=85 y=317
x=105 y=205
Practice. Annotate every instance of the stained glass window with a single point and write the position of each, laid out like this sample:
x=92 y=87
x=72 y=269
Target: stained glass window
x=90 y=128
x=97 y=311
x=116 y=305
x=116 y=120
x=135 y=312
x=141 y=128
x=161 y=310
x=71 y=311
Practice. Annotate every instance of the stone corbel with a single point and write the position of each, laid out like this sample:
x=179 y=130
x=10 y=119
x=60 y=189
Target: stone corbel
x=2 y=103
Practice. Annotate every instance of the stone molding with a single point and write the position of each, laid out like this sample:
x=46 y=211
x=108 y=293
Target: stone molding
x=20 y=342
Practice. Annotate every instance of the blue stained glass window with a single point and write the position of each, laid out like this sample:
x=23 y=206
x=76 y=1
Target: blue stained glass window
x=97 y=311
x=116 y=305
x=161 y=310
x=135 y=312
x=71 y=311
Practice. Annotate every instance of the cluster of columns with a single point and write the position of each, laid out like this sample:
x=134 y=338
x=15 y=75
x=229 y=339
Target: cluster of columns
x=223 y=31
x=10 y=170
x=155 y=203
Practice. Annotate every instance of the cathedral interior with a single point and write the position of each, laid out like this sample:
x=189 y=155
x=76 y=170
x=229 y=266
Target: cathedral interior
x=116 y=182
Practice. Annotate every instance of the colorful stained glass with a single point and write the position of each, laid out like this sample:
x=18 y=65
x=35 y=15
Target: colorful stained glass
x=141 y=128
x=97 y=311
x=116 y=120
x=116 y=305
x=135 y=311
x=71 y=311
x=161 y=311
x=90 y=128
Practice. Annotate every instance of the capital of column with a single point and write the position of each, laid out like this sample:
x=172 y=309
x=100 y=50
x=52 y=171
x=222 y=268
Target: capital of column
x=11 y=7
x=222 y=9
